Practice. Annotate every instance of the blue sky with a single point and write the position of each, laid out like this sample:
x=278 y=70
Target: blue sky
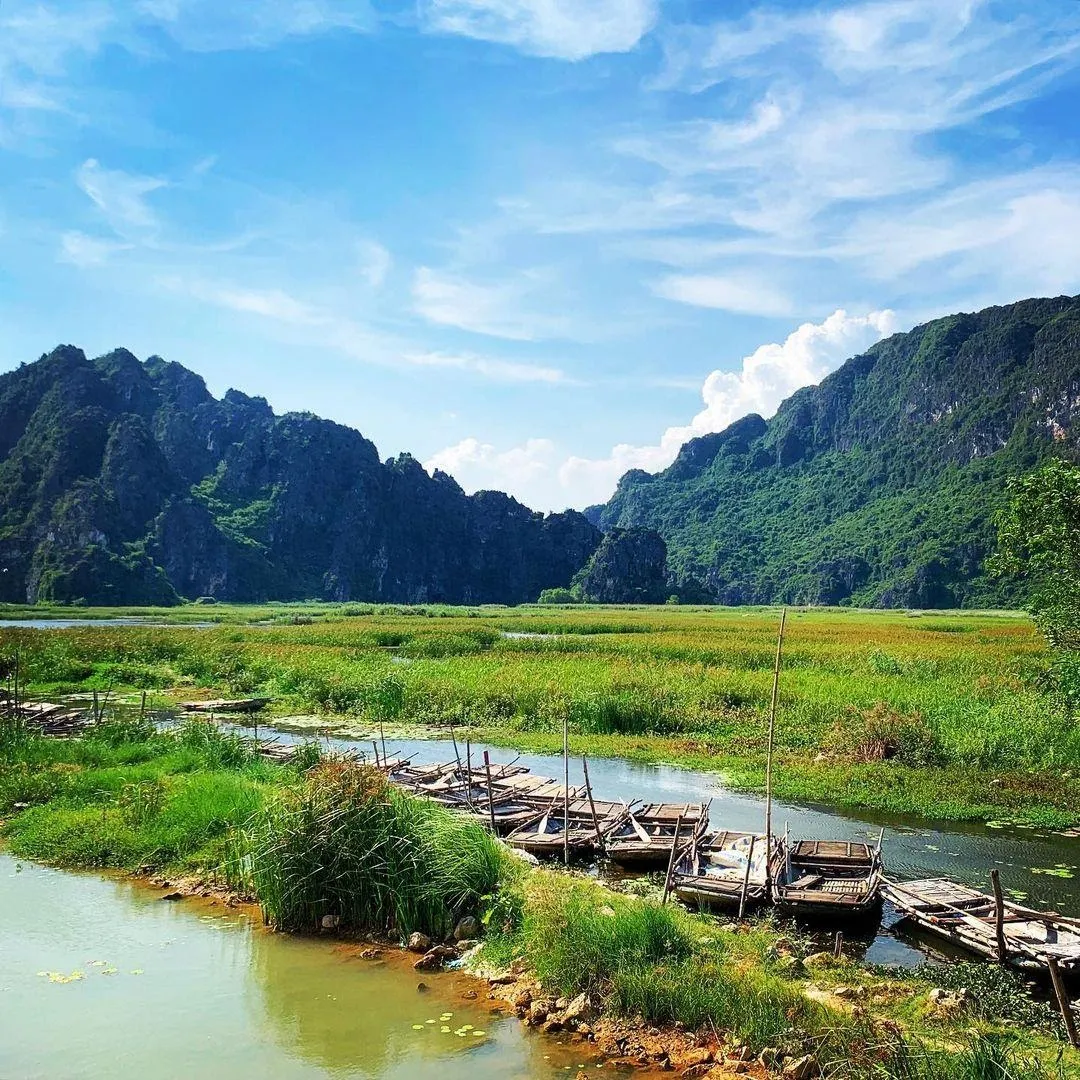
x=533 y=242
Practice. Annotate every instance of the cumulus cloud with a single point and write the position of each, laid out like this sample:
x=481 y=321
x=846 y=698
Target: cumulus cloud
x=763 y=380
x=562 y=29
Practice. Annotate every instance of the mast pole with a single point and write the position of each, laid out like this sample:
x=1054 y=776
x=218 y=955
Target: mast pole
x=769 y=755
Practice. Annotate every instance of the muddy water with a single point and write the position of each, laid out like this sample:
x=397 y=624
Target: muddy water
x=185 y=989
x=913 y=847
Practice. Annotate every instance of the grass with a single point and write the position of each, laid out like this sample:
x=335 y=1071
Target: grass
x=949 y=715
x=346 y=845
x=334 y=840
x=666 y=966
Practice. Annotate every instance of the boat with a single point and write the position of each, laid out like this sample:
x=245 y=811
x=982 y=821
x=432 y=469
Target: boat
x=586 y=822
x=967 y=918
x=233 y=705
x=829 y=878
x=723 y=869
x=645 y=838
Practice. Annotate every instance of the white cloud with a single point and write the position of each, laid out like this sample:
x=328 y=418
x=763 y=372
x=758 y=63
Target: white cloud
x=120 y=196
x=510 y=371
x=739 y=294
x=214 y=25
x=498 y=310
x=765 y=378
x=563 y=29
x=83 y=251
x=375 y=262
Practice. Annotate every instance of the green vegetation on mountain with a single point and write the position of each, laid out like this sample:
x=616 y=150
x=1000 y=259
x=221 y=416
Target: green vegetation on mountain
x=880 y=486
x=125 y=482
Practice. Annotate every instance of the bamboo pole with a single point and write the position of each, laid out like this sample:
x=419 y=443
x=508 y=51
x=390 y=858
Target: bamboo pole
x=592 y=805
x=382 y=737
x=999 y=916
x=671 y=858
x=838 y=945
x=142 y=707
x=769 y=755
x=375 y=747
x=746 y=878
x=566 y=787
x=491 y=798
x=1063 y=1002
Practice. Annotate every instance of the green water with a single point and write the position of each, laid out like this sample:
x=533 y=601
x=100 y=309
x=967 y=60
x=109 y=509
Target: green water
x=181 y=989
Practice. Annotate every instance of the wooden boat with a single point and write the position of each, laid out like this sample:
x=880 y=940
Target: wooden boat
x=645 y=837
x=713 y=870
x=234 y=705
x=543 y=835
x=967 y=918
x=829 y=878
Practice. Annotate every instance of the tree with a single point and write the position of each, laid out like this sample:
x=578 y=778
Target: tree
x=559 y=596
x=1039 y=541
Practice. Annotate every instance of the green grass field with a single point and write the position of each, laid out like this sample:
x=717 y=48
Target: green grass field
x=947 y=715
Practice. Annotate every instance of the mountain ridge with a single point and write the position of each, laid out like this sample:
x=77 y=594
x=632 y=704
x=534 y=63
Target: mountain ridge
x=879 y=485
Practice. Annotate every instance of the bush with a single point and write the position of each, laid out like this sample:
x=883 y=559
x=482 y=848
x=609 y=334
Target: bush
x=883 y=734
x=559 y=596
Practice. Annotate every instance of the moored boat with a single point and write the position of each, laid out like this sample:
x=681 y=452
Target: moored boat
x=580 y=827
x=968 y=918
x=724 y=869
x=645 y=837
x=836 y=878
x=233 y=705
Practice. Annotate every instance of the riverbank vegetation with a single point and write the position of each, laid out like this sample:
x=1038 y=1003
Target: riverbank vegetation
x=949 y=715
x=327 y=839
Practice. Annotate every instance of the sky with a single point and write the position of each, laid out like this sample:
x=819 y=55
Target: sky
x=535 y=243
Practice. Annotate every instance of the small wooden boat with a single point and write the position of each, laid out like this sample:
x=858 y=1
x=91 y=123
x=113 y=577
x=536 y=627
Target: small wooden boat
x=544 y=834
x=645 y=837
x=716 y=869
x=233 y=705
x=968 y=918
x=829 y=878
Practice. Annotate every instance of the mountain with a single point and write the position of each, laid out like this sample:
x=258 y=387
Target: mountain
x=880 y=485
x=127 y=482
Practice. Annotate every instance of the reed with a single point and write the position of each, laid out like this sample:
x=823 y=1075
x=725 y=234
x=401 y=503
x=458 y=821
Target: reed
x=346 y=845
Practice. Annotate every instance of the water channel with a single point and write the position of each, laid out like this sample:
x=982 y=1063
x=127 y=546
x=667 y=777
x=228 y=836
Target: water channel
x=101 y=977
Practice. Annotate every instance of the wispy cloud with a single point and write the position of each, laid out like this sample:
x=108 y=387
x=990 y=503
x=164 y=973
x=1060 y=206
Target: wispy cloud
x=503 y=309
x=120 y=196
x=82 y=250
x=735 y=293
x=510 y=371
x=563 y=29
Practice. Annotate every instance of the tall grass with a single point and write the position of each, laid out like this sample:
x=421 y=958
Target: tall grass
x=347 y=845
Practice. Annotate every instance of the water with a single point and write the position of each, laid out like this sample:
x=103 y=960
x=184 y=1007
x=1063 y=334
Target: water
x=70 y=624
x=219 y=996
x=912 y=847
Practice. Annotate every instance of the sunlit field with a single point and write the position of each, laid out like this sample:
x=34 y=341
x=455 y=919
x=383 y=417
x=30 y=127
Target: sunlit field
x=947 y=714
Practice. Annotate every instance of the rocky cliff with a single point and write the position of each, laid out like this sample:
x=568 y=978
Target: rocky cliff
x=127 y=482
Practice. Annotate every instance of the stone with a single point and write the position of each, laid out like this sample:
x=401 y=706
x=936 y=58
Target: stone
x=522 y=999
x=330 y=922
x=742 y=1052
x=467 y=929
x=435 y=958
x=173 y=896
x=370 y=954
x=552 y=1025
x=804 y=1068
x=581 y=1008
x=502 y=980
x=418 y=942
x=820 y=960
x=538 y=1012
x=422 y=988
x=844 y=992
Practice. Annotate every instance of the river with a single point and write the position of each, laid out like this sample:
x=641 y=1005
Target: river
x=188 y=989
x=912 y=847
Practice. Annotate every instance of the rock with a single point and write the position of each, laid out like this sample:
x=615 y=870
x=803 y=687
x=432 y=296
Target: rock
x=538 y=1012
x=804 y=1068
x=330 y=922
x=422 y=988
x=561 y=1003
x=502 y=980
x=173 y=896
x=418 y=942
x=435 y=958
x=742 y=1052
x=820 y=960
x=522 y=999
x=696 y=1072
x=770 y=1057
x=467 y=929
x=581 y=1008
x=843 y=992
x=370 y=954
x=552 y=1025
x=790 y=965
x=470 y=995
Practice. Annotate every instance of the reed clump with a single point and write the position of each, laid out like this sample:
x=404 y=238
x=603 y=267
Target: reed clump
x=345 y=844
